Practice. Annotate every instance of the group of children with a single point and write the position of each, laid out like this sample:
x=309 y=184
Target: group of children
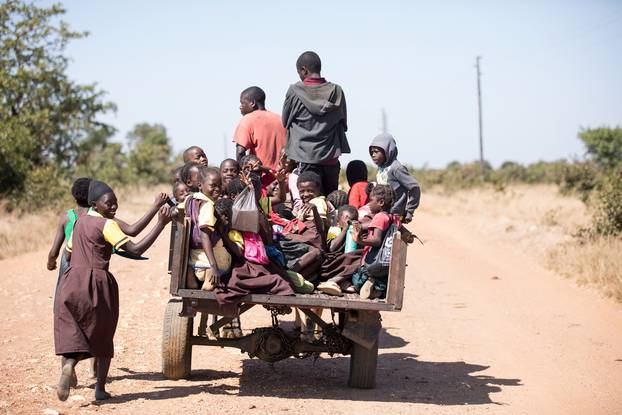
x=305 y=240
x=254 y=228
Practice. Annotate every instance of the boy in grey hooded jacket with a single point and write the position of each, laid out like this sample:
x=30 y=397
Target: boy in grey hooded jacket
x=315 y=117
x=383 y=151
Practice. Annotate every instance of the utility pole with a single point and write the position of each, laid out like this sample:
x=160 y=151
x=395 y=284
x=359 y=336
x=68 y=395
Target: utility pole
x=479 y=107
x=224 y=145
x=384 y=121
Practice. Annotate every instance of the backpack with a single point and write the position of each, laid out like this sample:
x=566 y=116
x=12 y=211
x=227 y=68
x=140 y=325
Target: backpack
x=378 y=259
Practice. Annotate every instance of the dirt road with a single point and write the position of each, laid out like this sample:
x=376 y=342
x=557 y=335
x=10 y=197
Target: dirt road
x=484 y=329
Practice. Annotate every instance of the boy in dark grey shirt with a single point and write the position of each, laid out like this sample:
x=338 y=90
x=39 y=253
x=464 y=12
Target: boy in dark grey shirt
x=315 y=116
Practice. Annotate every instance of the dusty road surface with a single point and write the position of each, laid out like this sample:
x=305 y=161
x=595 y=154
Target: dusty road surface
x=484 y=329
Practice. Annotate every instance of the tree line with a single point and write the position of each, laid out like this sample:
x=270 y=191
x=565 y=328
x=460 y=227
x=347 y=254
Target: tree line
x=595 y=178
x=50 y=126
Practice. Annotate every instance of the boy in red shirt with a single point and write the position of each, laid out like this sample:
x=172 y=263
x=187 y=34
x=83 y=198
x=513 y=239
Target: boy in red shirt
x=260 y=132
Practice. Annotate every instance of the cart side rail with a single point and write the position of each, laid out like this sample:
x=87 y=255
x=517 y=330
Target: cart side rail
x=393 y=301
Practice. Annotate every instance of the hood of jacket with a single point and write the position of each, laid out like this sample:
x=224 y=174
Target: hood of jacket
x=319 y=99
x=387 y=143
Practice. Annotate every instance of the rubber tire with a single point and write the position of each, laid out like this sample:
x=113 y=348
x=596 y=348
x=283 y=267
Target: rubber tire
x=176 y=345
x=363 y=363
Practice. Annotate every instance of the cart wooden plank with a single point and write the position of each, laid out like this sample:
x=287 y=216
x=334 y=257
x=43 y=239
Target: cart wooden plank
x=397 y=273
x=347 y=302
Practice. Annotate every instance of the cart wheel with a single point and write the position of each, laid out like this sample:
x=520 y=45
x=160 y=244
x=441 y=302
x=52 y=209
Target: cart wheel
x=176 y=346
x=363 y=364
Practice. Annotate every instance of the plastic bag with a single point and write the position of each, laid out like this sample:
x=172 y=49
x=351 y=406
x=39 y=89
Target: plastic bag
x=254 y=249
x=245 y=212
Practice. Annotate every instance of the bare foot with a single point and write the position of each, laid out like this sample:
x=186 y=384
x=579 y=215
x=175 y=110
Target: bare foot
x=101 y=395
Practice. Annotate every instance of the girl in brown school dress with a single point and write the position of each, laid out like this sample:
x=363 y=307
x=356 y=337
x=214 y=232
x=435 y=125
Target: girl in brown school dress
x=86 y=310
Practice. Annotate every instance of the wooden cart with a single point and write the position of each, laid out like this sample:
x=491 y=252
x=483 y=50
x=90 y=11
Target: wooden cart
x=353 y=331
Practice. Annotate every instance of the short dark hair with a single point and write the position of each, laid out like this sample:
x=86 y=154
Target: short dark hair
x=224 y=207
x=186 y=169
x=204 y=172
x=369 y=188
x=176 y=171
x=177 y=184
x=235 y=187
x=309 y=60
x=80 y=191
x=385 y=193
x=247 y=159
x=235 y=162
x=356 y=172
x=337 y=198
x=348 y=209
x=309 y=176
x=254 y=93
x=189 y=149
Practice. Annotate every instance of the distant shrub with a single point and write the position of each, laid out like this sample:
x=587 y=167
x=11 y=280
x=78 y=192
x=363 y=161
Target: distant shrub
x=608 y=218
x=580 y=178
x=44 y=187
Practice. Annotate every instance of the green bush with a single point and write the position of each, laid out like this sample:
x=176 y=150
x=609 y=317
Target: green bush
x=608 y=218
x=44 y=187
x=579 y=178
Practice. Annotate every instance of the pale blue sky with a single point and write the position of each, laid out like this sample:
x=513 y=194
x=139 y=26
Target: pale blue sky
x=548 y=69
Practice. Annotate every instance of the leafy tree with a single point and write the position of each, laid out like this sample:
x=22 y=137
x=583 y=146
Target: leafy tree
x=150 y=152
x=604 y=145
x=43 y=114
x=102 y=159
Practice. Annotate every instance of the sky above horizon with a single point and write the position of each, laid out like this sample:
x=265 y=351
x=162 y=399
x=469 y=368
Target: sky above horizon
x=548 y=69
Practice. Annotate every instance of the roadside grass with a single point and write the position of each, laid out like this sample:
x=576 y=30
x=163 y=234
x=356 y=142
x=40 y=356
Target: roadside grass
x=22 y=232
x=595 y=262
x=542 y=222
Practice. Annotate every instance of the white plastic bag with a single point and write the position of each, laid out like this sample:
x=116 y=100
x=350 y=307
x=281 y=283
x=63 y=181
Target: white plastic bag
x=245 y=212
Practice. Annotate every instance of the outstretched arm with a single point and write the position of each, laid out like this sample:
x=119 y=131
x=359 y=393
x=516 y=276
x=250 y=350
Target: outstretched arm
x=138 y=248
x=137 y=227
x=240 y=151
x=282 y=196
x=57 y=244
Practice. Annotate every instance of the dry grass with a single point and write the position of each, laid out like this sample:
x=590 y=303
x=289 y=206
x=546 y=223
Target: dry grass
x=535 y=218
x=20 y=233
x=542 y=223
x=595 y=262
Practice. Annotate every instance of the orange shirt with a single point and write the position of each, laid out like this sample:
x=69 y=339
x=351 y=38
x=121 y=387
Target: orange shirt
x=263 y=134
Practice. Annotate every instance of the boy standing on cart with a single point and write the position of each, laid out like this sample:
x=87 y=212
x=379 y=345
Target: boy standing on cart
x=315 y=116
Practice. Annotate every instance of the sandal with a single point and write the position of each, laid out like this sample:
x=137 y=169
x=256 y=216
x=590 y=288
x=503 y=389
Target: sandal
x=67 y=374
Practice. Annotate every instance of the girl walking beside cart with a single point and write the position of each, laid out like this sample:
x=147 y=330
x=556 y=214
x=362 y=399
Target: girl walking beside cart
x=86 y=309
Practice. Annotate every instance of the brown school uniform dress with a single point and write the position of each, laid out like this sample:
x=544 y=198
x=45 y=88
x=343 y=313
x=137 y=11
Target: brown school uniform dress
x=250 y=278
x=86 y=309
x=339 y=266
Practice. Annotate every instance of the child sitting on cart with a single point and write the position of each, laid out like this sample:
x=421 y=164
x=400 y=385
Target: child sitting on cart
x=380 y=203
x=209 y=260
